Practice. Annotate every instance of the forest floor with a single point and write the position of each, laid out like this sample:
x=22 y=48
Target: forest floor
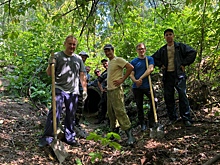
x=21 y=126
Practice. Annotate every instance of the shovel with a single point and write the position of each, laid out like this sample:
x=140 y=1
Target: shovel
x=157 y=131
x=56 y=145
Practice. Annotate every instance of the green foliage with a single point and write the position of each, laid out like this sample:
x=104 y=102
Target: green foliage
x=78 y=161
x=106 y=141
x=95 y=155
x=217 y=113
x=146 y=108
x=30 y=29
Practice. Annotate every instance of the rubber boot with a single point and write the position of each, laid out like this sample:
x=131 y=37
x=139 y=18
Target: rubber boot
x=131 y=138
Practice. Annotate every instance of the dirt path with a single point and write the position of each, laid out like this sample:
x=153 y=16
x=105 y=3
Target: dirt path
x=21 y=125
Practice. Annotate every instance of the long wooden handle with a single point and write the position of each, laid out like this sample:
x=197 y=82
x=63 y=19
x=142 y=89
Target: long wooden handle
x=54 y=99
x=152 y=95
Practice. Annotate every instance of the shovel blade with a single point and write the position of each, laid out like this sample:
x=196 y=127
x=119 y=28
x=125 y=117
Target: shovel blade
x=160 y=132
x=59 y=150
x=153 y=132
x=157 y=131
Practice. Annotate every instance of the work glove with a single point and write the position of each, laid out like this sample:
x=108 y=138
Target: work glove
x=84 y=95
x=52 y=60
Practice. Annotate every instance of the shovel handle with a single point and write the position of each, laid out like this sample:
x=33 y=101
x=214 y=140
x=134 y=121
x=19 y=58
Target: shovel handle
x=53 y=98
x=152 y=94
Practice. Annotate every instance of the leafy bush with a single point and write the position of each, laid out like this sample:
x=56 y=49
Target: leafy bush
x=104 y=141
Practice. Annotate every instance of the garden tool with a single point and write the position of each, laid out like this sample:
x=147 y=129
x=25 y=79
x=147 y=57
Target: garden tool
x=157 y=131
x=56 y=145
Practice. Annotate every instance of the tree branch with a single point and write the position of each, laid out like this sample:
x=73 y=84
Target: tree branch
x=69 y=11
x=4 y=2
x=9 y=10
x=213 y=160
x=92 y=10
x=154 y=5
x=116 y=8
x=213 y=61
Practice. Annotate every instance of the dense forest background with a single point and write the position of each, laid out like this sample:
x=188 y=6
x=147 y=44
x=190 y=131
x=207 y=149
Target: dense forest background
x=31 y=29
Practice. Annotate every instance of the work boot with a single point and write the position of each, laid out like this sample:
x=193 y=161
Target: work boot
x=42 y=143
x=187 y=124
x=131 y=138
x=143 y=127
x=45 y=141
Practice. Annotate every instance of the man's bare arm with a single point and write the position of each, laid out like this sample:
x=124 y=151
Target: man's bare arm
x=83 y=81
x=48 y=70
x=147 y=72
x=129 y=69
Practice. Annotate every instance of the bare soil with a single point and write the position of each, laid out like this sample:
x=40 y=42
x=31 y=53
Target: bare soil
x=21 y=126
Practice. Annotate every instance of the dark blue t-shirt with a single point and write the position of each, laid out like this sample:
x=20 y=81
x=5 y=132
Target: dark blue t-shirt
x=139 y=69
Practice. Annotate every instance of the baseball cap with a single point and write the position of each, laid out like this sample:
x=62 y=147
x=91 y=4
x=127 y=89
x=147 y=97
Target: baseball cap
x=108 y=46
x=82 y=53
x=104 y=60
x=168 y=30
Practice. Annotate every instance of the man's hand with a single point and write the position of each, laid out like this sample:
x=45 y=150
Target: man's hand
x=183 y=68
x=138 y=82
x=52 y=60
x=84 y=95
x=118 y=82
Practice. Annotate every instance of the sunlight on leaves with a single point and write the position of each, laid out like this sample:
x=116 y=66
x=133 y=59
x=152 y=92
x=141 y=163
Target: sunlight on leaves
x=95 y=155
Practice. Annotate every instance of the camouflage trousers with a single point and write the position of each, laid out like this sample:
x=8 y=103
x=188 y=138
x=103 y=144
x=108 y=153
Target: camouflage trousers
x=116 y=109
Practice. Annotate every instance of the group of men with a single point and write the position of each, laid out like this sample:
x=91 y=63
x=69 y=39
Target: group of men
x=172 y=58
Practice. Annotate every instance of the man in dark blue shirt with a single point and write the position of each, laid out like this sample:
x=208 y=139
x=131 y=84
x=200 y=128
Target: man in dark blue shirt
x=141 y=87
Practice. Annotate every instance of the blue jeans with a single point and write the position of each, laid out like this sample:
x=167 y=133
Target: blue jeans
x=70 y=102
x=139 y=96
x=170 y=84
